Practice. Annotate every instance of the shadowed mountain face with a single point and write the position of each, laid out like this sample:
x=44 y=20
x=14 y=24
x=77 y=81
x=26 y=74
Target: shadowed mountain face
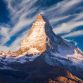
x=45 y=58
x=37 y=72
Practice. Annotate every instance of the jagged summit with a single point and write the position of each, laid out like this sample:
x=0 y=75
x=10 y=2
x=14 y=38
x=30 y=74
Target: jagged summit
x=40 y=17
x=35 y=42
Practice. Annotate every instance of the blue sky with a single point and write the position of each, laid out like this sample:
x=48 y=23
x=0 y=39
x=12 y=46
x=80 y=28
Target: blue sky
x=16 y=17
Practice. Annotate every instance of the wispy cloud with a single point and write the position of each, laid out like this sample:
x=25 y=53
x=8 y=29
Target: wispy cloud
x=67 y=27
x=20 y=18
x=18 y=10
x=74 y=34
x=4 y=31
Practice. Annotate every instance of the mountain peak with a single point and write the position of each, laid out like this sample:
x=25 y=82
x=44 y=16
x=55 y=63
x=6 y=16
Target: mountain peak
x=35 y=42
x=40 y=17
x=41 y=37
x=39 y=21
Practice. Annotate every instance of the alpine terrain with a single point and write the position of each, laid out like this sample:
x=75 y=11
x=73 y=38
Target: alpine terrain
x=43 y=57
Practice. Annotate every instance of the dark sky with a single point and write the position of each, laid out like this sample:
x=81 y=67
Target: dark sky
x=4 y=13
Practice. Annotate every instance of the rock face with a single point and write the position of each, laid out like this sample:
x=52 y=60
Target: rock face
x=35 y=42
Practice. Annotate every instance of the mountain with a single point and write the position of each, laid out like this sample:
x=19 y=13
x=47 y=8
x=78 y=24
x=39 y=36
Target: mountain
x=43 y=57
x=37 y=71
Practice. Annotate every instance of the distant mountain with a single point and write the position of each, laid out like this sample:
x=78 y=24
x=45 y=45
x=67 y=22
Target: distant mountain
x=43 y=57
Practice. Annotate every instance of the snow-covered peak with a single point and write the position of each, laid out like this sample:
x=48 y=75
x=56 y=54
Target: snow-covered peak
x=35 y=42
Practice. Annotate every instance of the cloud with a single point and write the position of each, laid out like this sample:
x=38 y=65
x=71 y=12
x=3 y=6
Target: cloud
x=20 y=25
x=15 y=45
x=19 y=13
x=67 y=27
x=18 y=10
x=63 y=8
x=4 y=48
x=74 y=34
x=4 y=32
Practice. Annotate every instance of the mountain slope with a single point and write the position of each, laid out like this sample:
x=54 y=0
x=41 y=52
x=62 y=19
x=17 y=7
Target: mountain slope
x=37 y=71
